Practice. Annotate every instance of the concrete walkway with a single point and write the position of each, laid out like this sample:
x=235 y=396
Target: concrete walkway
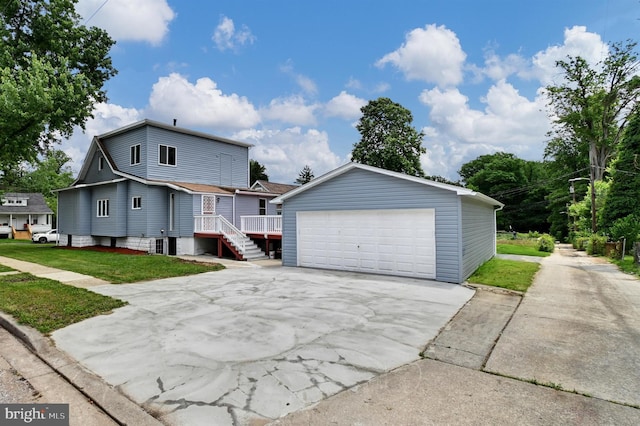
x=66 y=277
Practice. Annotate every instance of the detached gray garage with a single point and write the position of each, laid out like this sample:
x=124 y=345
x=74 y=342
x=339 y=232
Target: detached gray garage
x=364 y=219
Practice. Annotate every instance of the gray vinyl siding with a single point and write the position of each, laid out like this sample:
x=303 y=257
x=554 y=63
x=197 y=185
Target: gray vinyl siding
x=156 y=208
x=198 y=160
x=249 y=205
x=183 y=220
x=478 y=235
x=137 y=218
x=119 y=147
x=360 y=189
x=94 y=175
x=106 y=226
x=224 y=207
x=73 y=208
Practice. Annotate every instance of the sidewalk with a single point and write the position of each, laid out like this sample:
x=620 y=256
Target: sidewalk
x=66 y=277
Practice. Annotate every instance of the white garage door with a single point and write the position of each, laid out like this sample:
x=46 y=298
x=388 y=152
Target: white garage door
x=393 y=242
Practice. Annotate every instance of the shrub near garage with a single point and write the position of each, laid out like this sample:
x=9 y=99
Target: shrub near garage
x=545 y=243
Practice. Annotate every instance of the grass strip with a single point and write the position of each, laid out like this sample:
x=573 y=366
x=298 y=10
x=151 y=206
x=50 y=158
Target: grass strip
x=503 y=273
x=115 y=268
x=520 y=249
x=48 y=305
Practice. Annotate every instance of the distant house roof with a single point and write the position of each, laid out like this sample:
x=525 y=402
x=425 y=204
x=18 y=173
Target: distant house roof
x=460 y=191
x=36 y=203
x=272 y=187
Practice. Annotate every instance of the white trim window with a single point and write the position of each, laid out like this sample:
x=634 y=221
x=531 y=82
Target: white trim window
x=262 y=206
x=100 y=163
x=167 y=155
x=136 y=203
x=135 y=154
x=103 y=208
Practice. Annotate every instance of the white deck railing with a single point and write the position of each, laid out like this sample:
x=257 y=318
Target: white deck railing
x=220 y=225
x=261 y=224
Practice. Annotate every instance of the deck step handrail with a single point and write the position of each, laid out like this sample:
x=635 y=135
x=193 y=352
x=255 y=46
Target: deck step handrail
x=221 y=225
x=261 y=224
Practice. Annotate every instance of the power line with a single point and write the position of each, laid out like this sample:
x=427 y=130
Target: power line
x=96 y=11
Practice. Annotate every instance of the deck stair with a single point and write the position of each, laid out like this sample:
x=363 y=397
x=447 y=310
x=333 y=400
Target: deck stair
x=234 y=239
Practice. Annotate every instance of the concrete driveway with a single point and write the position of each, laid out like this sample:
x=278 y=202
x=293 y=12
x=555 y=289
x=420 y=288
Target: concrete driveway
x=243 y=346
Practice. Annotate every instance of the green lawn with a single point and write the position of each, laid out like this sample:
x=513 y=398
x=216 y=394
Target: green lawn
x=627 y=265
x=521 y=246
x=48 y=305
x=509 y=274
x=112 y=267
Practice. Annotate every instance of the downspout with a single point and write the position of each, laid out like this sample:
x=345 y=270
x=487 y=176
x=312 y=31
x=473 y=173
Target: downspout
x=57 y=216
x=495 y=228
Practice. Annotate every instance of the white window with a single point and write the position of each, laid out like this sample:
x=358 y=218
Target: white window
x=100 y=163
x=279 y=209
x=167 y=155
x=135 y=154
x=136 y=203
x=262 y=208
x=103 y=208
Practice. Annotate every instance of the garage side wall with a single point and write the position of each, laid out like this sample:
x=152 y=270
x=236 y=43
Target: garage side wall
x=361 y=189
x=478 y=235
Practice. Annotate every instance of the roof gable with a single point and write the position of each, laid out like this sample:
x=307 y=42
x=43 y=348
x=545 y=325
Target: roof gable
x=460 y=191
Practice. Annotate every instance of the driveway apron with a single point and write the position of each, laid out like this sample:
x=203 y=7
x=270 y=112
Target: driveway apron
x=577 y=328
x=242 y=346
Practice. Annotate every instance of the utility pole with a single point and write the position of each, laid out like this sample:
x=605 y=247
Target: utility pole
x=594 y=225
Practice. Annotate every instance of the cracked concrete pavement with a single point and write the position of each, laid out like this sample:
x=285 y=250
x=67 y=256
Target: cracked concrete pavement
x=237 y=347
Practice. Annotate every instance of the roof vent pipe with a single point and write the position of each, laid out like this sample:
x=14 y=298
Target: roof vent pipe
x=175 y=120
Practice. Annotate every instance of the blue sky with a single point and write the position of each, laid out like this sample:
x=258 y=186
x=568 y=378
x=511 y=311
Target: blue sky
x=290 y=76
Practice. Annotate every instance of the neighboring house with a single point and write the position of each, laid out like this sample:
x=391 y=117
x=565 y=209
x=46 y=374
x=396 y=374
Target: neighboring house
x=365 y=219
x=23 y=214
x=164 y=189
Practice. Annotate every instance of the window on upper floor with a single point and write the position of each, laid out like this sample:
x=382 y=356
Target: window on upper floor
x=100 y=163
x=262 y=206
x=103 y=208
x=136 y=203
x=279 y=209
x=135 y=154
x=167 y=155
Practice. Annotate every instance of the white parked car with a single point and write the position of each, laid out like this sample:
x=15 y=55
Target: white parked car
x=46 y=237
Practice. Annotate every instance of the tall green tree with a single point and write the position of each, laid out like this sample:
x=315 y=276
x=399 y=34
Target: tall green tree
x=305 y=175
x=43 y=176
x=517 y=183
x=388 y=139
x=52 y=72
x=257 y=172
x=592 y=106
x=624 y=191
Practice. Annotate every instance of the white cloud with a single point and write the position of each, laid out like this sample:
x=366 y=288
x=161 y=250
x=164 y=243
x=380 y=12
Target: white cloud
x=226 y=36
x=200 y=104
x=126 y=20
x=291 y=110
x=509 y=122
x=577 y=42
x=285 y=152
x=305 y=83
x=432 y=54
x=345 y=106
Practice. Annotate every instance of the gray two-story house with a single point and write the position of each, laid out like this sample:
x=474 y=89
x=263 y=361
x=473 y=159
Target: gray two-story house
x=159 y=188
